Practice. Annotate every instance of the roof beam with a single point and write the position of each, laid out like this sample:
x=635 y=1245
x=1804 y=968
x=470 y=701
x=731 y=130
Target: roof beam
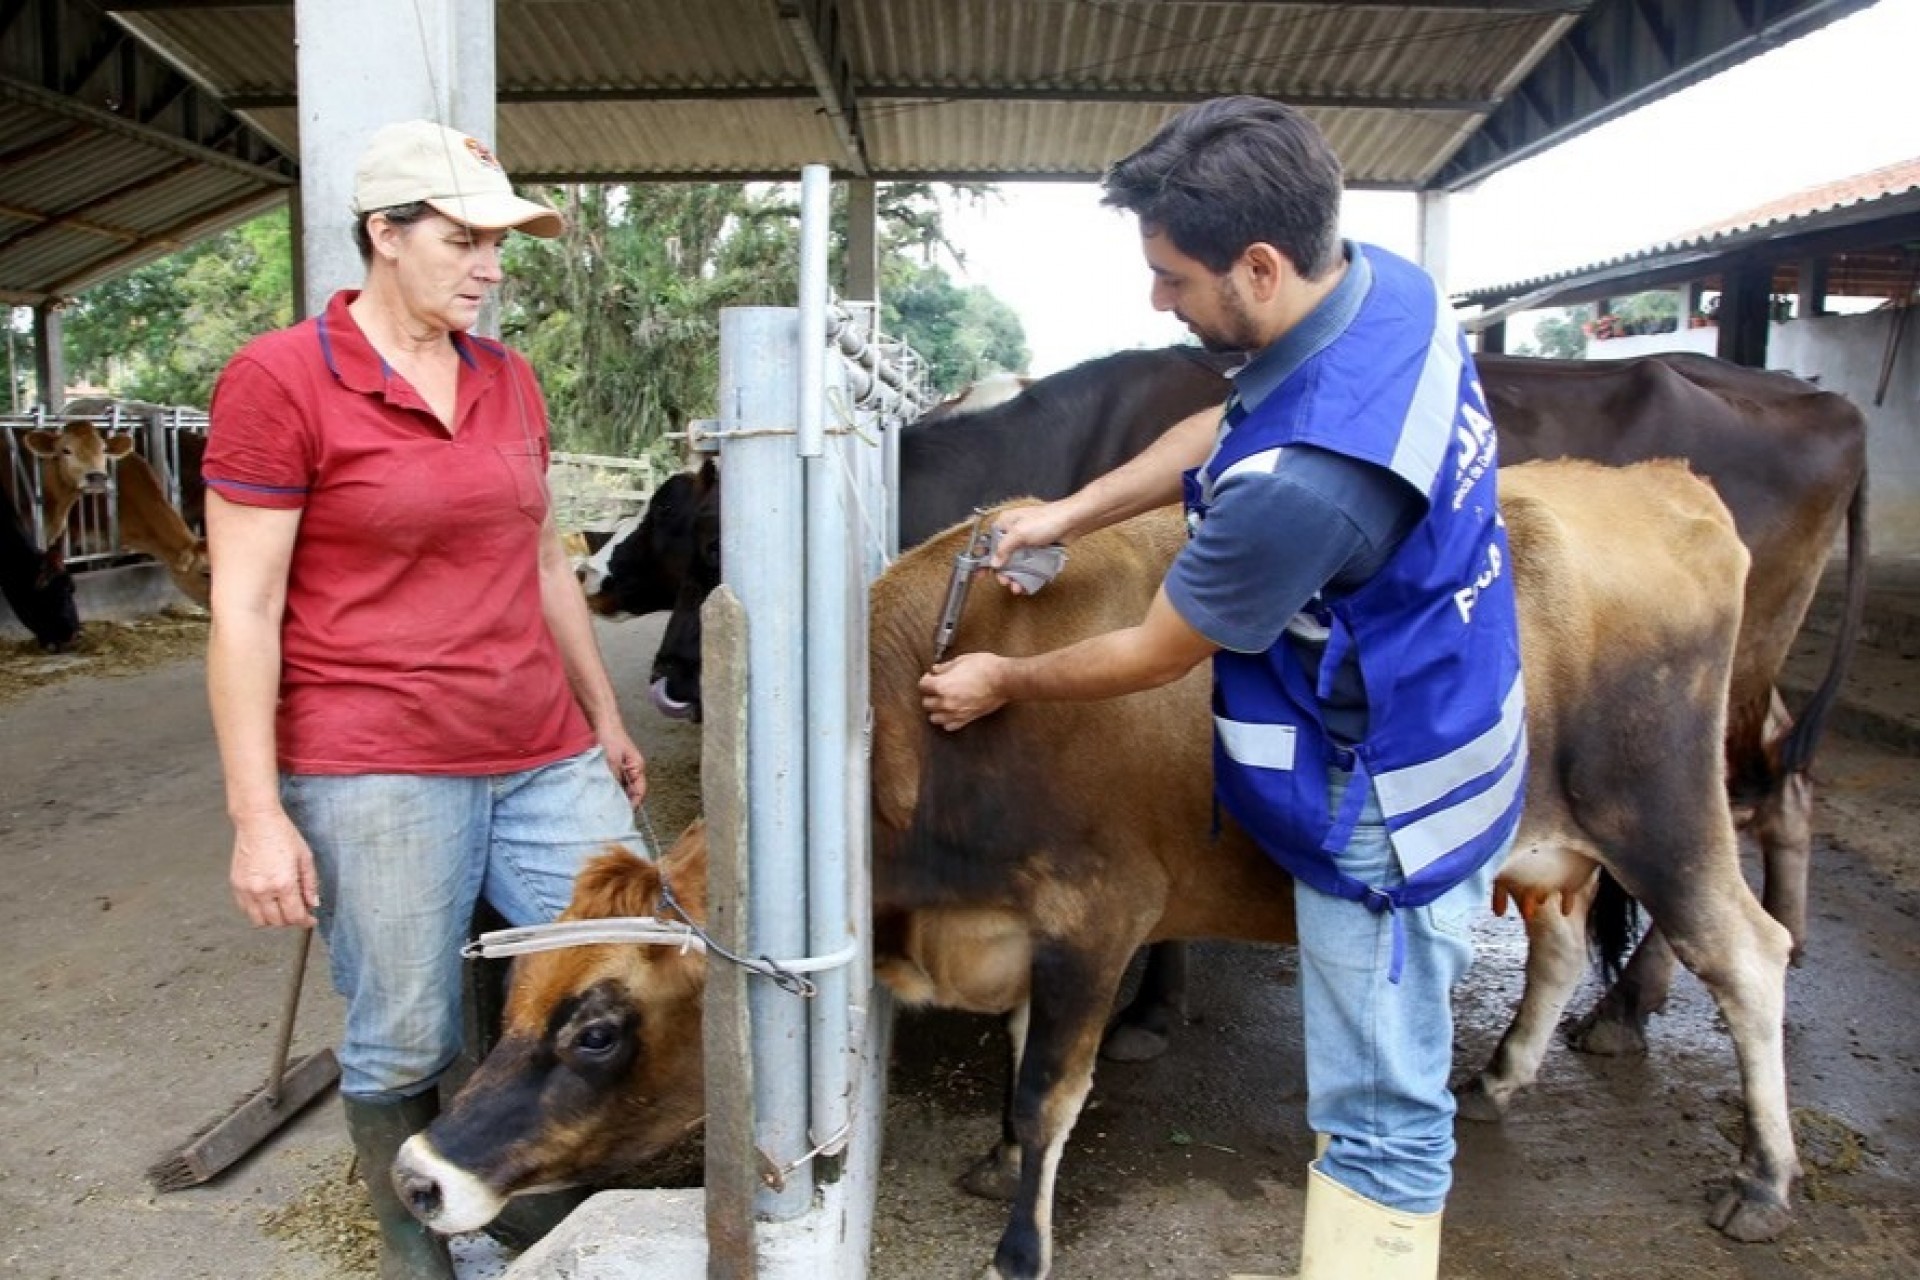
x=1438 y=6
x=17 y=91
x=1622 y=55
x=815 y=26
x=170 y=240
x=77 y=215
x=161 y=6
x=916 y=93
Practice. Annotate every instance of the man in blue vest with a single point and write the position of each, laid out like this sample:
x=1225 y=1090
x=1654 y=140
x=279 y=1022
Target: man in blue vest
x=1349 y=577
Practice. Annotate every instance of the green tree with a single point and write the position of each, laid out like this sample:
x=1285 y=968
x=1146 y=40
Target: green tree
x=164 y=331
x=1560 y=334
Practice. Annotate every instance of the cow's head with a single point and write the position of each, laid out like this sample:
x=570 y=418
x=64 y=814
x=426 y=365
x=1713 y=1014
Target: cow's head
x=645 y=569
x=77 y=456
x=599 y=1064
x=192 y=572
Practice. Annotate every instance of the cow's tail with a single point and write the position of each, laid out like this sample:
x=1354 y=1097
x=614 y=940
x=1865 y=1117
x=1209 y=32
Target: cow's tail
x=1613 y=925
x=1796 y=749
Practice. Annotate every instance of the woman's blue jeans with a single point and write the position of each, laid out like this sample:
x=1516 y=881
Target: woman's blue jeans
x=1379 y=1053
x=403 y=860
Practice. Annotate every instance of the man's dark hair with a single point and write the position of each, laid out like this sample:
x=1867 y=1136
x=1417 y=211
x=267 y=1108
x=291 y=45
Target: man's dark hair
x=1232 y=172
x=400 y=215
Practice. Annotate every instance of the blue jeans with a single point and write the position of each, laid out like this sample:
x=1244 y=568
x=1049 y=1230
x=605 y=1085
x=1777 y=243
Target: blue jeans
x=1379 y=1053
x=403 y=860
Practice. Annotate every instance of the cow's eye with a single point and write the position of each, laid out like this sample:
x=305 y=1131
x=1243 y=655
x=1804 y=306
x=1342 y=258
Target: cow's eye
x=597 y=1039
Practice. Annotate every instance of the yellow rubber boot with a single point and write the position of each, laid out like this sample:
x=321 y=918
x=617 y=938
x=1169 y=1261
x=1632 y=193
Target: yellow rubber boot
x=1349 y=1237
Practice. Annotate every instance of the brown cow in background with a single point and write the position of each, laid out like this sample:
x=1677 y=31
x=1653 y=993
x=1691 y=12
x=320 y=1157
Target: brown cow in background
x=148 y=523
x=73 y=461
x=995 y=895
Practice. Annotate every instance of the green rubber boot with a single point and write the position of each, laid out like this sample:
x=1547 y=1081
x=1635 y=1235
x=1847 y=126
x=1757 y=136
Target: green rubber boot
x=408 y=1250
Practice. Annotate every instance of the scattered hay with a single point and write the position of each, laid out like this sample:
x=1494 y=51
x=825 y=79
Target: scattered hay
x=331 y=1218
x=104 y=649
x=1829 y=1148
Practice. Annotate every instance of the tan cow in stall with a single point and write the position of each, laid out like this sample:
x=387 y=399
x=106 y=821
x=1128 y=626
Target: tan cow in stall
x=73 y=461
x=149 y=524
x=993 y=894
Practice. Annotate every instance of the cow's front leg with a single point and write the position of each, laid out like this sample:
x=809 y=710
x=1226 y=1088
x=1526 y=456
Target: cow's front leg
x=1073 y=988
x=1556 y=959
x=1141 y=1030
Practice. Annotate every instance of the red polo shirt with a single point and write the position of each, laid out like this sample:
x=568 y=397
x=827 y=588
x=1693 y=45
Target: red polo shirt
x=413 y=640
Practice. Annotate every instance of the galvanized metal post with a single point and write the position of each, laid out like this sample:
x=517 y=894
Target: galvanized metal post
x=835 y=628
x=760 y=474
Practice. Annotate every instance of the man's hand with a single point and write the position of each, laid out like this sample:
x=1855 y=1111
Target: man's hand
x=955 y=694
x=1038 y=526
x=624 y=758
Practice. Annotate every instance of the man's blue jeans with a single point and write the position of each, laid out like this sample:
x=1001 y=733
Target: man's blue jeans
x=404 y=858
x=1379 y=1053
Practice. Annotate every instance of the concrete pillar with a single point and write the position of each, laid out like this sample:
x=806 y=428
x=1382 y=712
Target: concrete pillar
x=1434 y=237
x=1493 y=339
x=1745 y=313
x=863 y=240
x=1811 y=297
x=49 y=361
x=367 y=63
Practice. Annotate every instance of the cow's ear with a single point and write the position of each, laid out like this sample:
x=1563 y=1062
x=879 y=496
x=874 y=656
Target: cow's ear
x=41 y=443
x=617 y=883
x=119 y=446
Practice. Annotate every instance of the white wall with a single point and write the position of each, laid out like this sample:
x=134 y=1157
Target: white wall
x=1846 y=354
x=1705 y=341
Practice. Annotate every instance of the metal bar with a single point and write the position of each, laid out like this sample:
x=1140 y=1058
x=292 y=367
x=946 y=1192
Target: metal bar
x=760 y=472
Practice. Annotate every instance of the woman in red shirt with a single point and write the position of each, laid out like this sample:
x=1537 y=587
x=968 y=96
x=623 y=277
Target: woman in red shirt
x=411 y=708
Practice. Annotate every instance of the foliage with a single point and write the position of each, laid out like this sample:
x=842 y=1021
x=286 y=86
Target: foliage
x=1563 y=333
x=620 y=315
x=1560 y=334
x=163 y=332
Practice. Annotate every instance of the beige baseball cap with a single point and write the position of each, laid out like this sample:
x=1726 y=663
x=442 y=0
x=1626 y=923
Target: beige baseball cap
x=454 y=174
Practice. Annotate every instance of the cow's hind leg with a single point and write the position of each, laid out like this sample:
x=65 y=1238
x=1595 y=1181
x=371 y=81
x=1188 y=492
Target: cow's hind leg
x=1140 y=1031
x=1782 y=825
x=1740 y=952
x=1556 y=961
x=1073 y=989
x=1616 y=1026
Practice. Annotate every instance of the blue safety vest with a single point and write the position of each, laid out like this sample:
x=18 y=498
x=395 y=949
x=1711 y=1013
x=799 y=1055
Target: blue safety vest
x=1434 y=631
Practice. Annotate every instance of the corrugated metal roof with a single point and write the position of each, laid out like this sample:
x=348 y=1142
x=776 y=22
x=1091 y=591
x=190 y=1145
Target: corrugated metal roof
x=1890 y=180
x=921 y=89
x=1883 y=192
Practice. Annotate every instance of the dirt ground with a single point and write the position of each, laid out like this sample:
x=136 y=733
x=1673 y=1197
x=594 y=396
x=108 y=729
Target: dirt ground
x=135 y=1004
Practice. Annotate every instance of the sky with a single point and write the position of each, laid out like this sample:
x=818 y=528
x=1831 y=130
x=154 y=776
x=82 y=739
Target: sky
x=1827 y=106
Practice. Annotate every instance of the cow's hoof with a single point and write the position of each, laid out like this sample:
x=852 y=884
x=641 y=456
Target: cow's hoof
x=1134 y=1042
x=1474 y=1101
x=996 y=1177
x=1607 y=1036
x=1749 y=1214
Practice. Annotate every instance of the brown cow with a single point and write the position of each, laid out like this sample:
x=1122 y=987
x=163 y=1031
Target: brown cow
x=991 y=897
x=73 y=461
x=148 y=523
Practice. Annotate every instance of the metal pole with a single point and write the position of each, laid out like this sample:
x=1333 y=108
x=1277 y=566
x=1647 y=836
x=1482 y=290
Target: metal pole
x=760 y=474
x=832 y=629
